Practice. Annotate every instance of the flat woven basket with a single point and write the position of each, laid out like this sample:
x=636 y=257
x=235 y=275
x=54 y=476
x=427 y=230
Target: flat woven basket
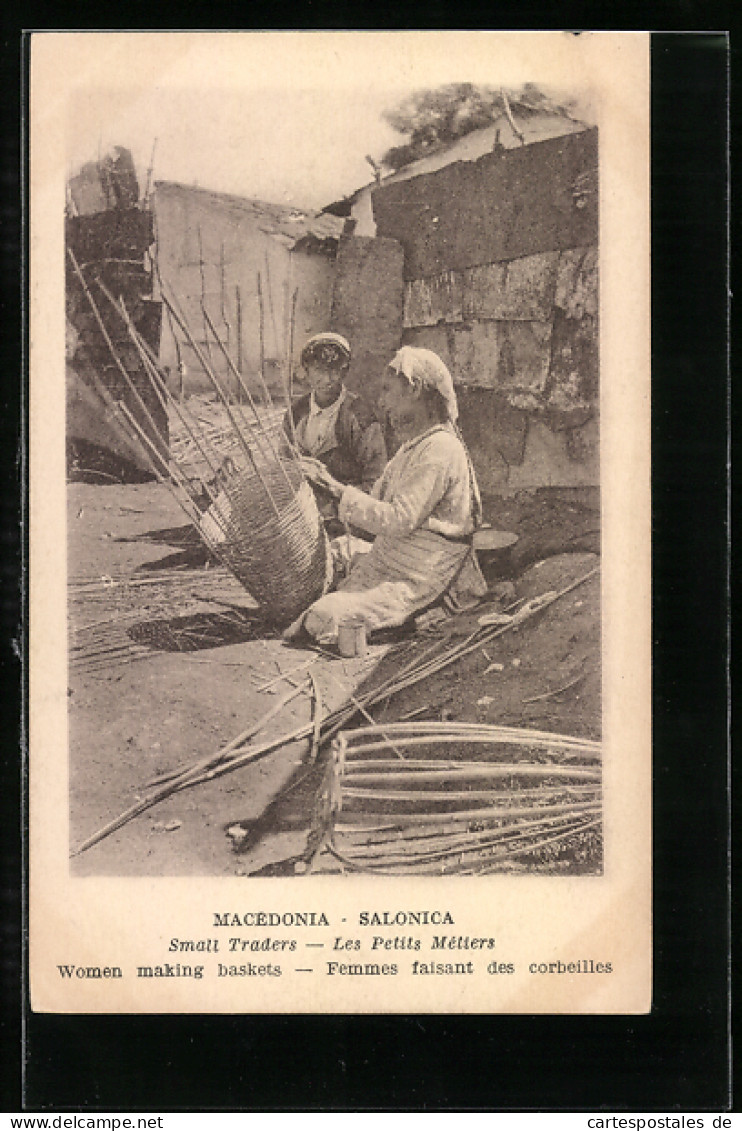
x=283 y=559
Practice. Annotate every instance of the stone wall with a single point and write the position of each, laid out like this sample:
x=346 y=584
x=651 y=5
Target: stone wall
x=367 y=306
x=519 y=331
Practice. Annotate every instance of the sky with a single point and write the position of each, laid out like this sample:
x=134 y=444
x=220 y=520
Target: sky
x=282 y=116
x=305 y=149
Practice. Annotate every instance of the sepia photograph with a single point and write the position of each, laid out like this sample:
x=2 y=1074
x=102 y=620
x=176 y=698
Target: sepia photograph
x=343 y=529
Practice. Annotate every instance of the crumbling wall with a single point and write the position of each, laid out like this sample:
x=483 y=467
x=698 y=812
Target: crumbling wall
x=367 y=306
x=212 y=251
x=501 y=270
x=506 y=205
x=111 y=251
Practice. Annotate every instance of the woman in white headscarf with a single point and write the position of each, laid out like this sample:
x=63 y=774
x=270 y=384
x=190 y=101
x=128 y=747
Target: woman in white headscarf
x=422 y=511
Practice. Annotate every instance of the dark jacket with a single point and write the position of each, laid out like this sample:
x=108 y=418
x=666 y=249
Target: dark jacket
x=359 y=454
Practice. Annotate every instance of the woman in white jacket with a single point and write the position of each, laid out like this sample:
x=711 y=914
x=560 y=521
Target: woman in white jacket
x=423 y=510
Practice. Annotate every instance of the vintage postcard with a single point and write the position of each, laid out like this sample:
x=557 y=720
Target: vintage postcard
x=340 y=523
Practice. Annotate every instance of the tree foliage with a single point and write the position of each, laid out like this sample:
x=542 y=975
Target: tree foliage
x=432 y=119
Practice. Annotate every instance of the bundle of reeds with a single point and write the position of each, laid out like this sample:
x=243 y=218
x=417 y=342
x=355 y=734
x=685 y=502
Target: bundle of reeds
x=477 y=798
x=254 y=508
x=116 y=619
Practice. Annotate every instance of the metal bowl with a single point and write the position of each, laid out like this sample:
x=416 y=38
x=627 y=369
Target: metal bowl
x=494 y=550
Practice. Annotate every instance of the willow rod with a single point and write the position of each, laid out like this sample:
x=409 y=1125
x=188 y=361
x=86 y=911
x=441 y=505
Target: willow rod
x=481 y=813
x=476 y=842
x=563 y=829
x=238 y=317
x=330 y=727
x=497 y=770
x=107 y=338
x=154 y=376
x=240 y=759
x=471 y=644
x=261 y=333
x=207 y=369
x=290 y=372
x=230 y=363
x=189 y=508
x=543 y=792
x=156 y=380
x=431 y=796
x=201 y=267
x=493 y=858
x=432 y=727
x=440 y=835
x=253 y=729
x=440 y=767
x=531 y=848
x=167 y=791
x=358 y=705
x=223 y=295
x=264 y=433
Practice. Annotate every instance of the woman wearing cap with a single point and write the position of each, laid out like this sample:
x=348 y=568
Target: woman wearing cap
x=422 y=510
x=331 y=424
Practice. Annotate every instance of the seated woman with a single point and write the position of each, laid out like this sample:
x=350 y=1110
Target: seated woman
x=333 y=425
x=423 y=510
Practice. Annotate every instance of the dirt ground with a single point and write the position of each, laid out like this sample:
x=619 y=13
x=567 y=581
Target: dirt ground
x=178 y=661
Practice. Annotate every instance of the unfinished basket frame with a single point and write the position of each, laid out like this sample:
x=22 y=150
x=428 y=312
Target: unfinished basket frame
x=494 y=795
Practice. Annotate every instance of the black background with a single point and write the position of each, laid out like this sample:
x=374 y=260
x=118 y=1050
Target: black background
x=677 y=1057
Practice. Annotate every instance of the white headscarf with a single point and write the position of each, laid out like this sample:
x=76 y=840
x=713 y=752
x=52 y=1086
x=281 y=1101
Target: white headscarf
x=423 y=368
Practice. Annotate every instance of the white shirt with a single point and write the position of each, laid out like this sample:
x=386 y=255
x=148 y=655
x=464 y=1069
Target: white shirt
x=316 y=433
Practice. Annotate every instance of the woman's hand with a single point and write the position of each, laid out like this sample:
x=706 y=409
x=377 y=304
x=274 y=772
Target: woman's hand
x=317 y=473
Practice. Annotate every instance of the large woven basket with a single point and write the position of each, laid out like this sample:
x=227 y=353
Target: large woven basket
x=283 y=559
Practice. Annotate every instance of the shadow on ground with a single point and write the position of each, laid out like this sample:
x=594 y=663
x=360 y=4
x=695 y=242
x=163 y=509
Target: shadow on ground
x=198 y=631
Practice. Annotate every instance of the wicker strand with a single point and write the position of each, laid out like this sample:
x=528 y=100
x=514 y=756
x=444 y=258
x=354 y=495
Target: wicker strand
x=220 y=393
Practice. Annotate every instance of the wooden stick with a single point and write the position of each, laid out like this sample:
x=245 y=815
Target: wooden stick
x=434 y=731
x=474 y=842
x=157 y=380
x=357 y=767
x=223 y=295
x=109 y=343
x=149 y=173
x=436 y=797
x=261 y=328
x=290 y=371
x=240 y=759
x=489 y=770
x=174 y=473
x=269 y=291
x=460 y=850
x=413 y=714
x=238 y=316
x=264 y=433
x=358 y=705
x=225 y=402
x=331 y=726
x=528 y=849
x=419 y=863
x=285 y=675
x=314 y=745
x=253 y=729
x=442 y=835
x=486 y=813
x=203 y=285
x=480 y=636
x=556 y=691
x=175 y=787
